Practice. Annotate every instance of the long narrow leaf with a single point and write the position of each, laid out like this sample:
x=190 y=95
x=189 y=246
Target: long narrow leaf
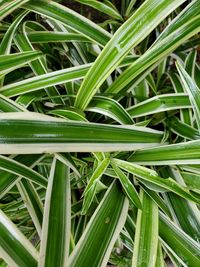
x=186 y=248
x=102 y=7
x=9 y=179
x=32 y=202
x=146 y=236
x=159 y=103
x=19 y=169
x=6 y=43
x=15 y=248
x=45 y=80
x=55 y=238
x=12 y=61
x=156 y=53
x=132 y=32
x=46 y=37
x=106 y=222
x=192 y=90
x=8 y=7
x=91 y=186
x=128 y=187
x=70 y=18
x=152 y=177
x=57 y=135
x=110 y=108
x=174 y=154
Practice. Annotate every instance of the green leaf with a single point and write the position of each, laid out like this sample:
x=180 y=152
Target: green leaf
x=8 y=105
x=151 y=176
x=57 y=135
x=160 y=262
x=47 y=37
x=45 y=80
x=8 y=179
x=186 y=214
x=6 y=43
x=191 y=11
x=16 y=168
x=159 y=103
x=174 y=154
x=15 y=248
x=181 y=245
x=13 y=61
x=146 y=236
x=110 y=9
x=190 y=63
x=130 y=6
x=193 y=91
x=54 y=248
x=147 y=17
x=68 y=114
x=128 y=187
x=183 y=129
x=90 y=189
x=110 y=108
x=155 y=54
x=192 y=180
x=37 y=66
x=107 y=222
x=69 y=18
x=33 y=202
x=8 y=6
x=68 y=160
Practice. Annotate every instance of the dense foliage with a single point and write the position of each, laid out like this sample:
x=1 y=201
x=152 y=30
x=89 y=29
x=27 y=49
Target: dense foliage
x=99 y=133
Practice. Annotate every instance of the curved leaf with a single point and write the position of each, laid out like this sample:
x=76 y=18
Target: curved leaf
x=132 y=32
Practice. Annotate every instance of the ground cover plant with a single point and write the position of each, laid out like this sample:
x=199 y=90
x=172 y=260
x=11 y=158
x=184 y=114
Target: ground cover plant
x=99 y=133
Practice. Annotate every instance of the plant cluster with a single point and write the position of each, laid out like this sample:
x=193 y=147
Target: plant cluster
x=99 y=133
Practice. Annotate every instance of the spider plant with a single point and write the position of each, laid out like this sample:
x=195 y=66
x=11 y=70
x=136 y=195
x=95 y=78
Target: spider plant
x=99 y=133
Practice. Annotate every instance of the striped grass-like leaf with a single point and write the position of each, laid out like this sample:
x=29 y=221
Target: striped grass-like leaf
x=16 y=168
x=68 y=114
x=132 y=32
x=45 y=80
x=185 y=213
x=6 y=43
x=54 y=248
x=106 y=8
x=191 y=11
x=107 y=222
x=37 y=65
x=57 y=135
x=8 y=179
x=13 y=61
x=128 y=187
x=32 y=201
x=160 y=257
x=47 y=37
x=90 y=189
x=15 y=248
x=156 y=53
x=41 y=81
x=181 y=245
x=8 y=105
x=7 y=7
x=70 y=18
x=146 y=236
x=174 y=154
x=192 y=180
x=159 y=103
x=183 y=129
x=193 y=91
x=110 y=108
x=151 y=176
